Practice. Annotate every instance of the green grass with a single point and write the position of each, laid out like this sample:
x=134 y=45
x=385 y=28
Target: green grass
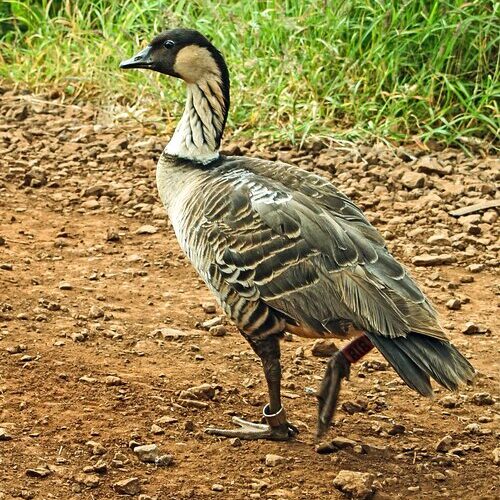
x=403 y=70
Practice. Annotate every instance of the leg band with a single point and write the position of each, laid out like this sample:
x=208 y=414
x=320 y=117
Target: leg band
x=357 y=348
x=274 y=419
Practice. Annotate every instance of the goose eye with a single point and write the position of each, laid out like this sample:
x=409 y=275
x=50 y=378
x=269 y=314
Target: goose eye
x=168 y=44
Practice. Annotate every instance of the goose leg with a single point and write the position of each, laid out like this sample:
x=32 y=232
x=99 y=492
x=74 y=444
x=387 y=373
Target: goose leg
x=338 y=367
x=276 y=427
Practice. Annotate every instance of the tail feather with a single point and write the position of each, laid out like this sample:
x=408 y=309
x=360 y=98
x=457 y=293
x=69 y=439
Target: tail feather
x=418 y=357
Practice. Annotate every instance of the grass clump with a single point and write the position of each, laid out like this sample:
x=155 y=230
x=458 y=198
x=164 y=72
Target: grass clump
x=399 y=69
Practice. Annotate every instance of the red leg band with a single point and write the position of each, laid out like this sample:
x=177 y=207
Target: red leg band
x=357 y=348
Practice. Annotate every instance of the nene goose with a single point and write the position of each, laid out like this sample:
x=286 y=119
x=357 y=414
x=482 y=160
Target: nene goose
x=283 y=250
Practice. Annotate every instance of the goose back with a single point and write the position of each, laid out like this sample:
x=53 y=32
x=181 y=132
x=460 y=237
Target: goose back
x=282 y=248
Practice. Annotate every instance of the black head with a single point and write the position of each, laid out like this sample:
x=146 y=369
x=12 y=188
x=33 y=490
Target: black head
x=182 y=53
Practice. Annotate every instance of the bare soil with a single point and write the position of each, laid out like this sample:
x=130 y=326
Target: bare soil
x=86 y=302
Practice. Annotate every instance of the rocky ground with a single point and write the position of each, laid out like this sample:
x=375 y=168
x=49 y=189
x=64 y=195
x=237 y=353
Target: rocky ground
x=114 y=357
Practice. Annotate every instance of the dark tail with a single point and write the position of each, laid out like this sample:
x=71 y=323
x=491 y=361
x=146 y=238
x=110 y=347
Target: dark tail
x=418 y=357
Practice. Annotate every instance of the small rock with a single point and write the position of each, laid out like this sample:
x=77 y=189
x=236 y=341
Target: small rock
x=164 y=460
x=454 y=304
x=95 y=312
x=96 y=448
x=87 y=379
x=64 y=285
x=100 y=466
x=147 y=453
x=444 y=444
x=473 y=428
x=235 y=442
x=434 y=260
x=208 y=307
x=79 y=336
x=352 y=407
x=217 y=331
x=472 y=328
x=482 y=399
x=217 y=487
x=167 y=420
x=156 y=429
x=36 y=178
x=203 y=391
x=449 y=402
x=338 y=443
x=206 y=325
x=4 y=435
x=496 y=456
x=396 y=429
x=88 y=480
x=147 y=229
x=91 y=204
x=323 y=348
x=130 y=486
x=475 y=268
x=39 y=472
x=112 y=235
x=274 y=460
x=413 y=180
x=355 y=484
x=112 y=380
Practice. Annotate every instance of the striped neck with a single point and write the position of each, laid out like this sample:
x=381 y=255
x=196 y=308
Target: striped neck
x=198 y=135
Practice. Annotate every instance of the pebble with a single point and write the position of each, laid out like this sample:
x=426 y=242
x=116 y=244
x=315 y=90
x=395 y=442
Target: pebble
x=208 y=307
x=433 y=260
x=358 y=485
x=217 y=331
x=482 y=399
x=96 y=447
x=235 y=442
x=156 y=429
x=112 y=381
x=274 y=460
x=217 y=487
x=95 y=312
x=147 y=229
x=454 y=304
x=88 y=480
x=396 y=429
x=496 y=456
x=130 y=486
x=147 y=453
x=413 y=180
x=449 y=402
x=64 y=285
x=87 y=379
x=475 y=268
x=206 y=325
x=167 y=419
x=100 y=466
x=203 y=391
x=338 y=443
x=4 y=435
x=444 y=444
x=472 y=328
x=323 y=348
x=473 y=428
x=39 y=472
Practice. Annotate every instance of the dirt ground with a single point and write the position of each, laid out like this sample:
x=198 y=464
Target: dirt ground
x=102 y=327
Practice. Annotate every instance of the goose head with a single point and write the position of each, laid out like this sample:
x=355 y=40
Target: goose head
x=181 y=53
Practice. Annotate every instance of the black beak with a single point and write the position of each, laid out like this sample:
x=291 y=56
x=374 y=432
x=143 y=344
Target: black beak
x=141 y=60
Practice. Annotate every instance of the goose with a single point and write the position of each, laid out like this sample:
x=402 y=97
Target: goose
x=283 y=250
